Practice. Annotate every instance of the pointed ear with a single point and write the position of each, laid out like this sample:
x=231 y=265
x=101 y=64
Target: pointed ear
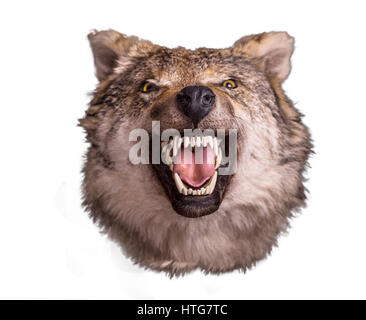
x=108 y=46
x=271 y=52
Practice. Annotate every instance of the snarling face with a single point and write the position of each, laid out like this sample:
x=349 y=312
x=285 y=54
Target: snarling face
x=231 y=150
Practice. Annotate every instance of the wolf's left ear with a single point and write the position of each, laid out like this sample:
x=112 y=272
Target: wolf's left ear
x=271 y=52
x=110 y=47
x=107 y=46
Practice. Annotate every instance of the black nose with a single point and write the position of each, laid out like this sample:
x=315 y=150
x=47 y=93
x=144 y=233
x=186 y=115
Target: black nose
x=196 y=102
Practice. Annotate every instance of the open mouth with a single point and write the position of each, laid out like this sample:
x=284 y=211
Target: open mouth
x=193 y=162
x=190 y=174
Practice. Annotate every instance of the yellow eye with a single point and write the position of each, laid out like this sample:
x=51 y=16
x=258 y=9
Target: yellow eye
x=230 y=84
x=146 y=86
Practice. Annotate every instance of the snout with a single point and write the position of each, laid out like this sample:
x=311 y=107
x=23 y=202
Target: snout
x=196 y=102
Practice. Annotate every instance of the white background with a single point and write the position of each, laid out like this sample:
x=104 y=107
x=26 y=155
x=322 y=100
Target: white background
x=48 y=246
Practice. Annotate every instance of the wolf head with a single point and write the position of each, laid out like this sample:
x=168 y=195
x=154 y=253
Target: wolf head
x=180 y=217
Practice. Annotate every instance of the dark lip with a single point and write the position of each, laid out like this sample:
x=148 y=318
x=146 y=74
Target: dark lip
x=191 y=206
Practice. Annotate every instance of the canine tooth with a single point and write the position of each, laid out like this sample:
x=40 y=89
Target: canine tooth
x=166 y=154
x=164 y=146
x=212 y=184
x=198 y=141
x=168 y=158
x=186 y=142
x=192 y=142
x=209 y=141
x=178 y=182
x=218 y=158
x=215 y=145
x=204 y=142
x=176 y=145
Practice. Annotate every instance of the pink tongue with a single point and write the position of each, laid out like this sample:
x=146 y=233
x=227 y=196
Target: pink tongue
x=195 y=174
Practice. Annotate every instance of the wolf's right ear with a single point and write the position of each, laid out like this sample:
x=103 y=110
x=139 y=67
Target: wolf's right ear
x=108 y=46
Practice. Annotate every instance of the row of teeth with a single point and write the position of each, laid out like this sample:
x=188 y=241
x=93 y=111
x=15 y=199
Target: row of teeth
x=209 y=186
x=204 y=141
x=198 y=141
